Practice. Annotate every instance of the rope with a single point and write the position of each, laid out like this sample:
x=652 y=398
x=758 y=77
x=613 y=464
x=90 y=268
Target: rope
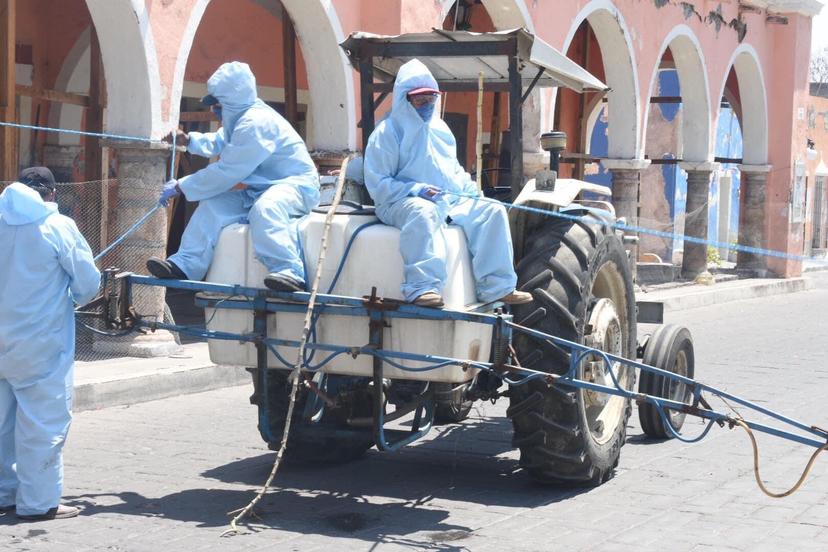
x=759 y=482
x=641 y=230
x=82 y=133
x=296 y=373
x=144 y=218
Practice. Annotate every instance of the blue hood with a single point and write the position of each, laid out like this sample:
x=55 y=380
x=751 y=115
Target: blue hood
x=405 y=153
x=19 y=204
x=412 y=75
x=234 y=85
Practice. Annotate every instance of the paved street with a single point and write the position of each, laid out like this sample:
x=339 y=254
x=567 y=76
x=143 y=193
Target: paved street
x=162 y=475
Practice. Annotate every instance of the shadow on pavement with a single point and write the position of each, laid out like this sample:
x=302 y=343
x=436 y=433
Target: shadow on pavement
x=403 y=498
x=292 y=511
x=643 y=439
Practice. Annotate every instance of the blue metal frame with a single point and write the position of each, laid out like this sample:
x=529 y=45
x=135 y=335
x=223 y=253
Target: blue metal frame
x=378 y=311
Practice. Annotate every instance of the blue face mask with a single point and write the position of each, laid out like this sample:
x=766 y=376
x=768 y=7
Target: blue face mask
x=425 y=111
x=216 y=111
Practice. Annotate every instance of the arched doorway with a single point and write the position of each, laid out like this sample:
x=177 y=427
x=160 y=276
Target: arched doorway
x=328 y=102
x=675 y=191
x=498 y=15
x=599 y=40
x=293 y=49
x=744 y=98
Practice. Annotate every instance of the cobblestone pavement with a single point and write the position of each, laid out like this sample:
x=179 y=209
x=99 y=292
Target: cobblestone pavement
x=162 y=475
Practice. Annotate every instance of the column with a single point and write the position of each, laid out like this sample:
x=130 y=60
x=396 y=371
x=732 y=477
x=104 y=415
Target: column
x=725 y=211
x=626 y=182
x=142 y=170
x=61 y=160
x=694 y=261
x=753 y=217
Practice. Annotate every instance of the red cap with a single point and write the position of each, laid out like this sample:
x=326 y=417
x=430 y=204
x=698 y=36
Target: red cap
x=423 y=90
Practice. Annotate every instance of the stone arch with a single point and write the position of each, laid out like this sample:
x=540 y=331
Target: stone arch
x=613 y=37
x=332 y=109
x=512 y=14
x=133 y=82
x=753 y=103
x=505 y=14
x=695 y=96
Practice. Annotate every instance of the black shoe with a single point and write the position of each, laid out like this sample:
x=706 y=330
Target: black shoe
x=58 y=512
x=164 y=270
x=280 y=282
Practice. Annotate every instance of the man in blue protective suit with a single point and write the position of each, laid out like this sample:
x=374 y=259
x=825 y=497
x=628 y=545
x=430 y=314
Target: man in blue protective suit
x=47 y=266
x=412 y=173
x=264 y=176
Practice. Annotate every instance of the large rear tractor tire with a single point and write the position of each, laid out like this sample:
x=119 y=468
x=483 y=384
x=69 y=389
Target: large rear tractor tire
x=324 y=439
x=579 y=275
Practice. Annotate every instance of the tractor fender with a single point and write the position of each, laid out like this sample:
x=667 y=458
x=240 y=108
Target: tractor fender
x=546 y=192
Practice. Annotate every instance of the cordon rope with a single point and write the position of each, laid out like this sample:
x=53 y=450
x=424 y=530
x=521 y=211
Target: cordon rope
x=295 y=375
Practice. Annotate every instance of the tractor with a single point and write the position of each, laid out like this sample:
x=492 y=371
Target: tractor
x=427 y=366
x=358 y=367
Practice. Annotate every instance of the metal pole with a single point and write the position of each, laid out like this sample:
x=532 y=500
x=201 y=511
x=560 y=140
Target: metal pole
x=366 y=83
x=515 y=126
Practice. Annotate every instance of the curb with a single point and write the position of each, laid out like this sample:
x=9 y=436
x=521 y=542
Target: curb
x=132 y=390
x=740 y=290
x=105 y=382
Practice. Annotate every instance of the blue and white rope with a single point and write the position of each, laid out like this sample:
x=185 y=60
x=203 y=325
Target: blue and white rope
x=149 y=213
x=643 y=230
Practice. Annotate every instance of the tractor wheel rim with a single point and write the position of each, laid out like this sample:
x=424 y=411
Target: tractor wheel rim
x=678 y=391
x=603 y=411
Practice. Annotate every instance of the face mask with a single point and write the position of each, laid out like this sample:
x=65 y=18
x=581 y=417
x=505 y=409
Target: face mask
x=425 y=111
x=216 y=111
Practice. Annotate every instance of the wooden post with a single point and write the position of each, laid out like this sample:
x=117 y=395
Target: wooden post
x=494 y=143
x=479 y=136
x=95 y=193
x=289 y=62
x=515 y=125
x=8 y=135
x=93 y=168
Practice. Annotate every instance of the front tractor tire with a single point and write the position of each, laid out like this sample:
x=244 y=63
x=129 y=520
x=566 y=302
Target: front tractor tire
x=579 y=275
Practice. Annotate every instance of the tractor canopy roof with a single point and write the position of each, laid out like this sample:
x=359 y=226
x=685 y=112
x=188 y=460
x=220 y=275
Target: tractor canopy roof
x=456 y=59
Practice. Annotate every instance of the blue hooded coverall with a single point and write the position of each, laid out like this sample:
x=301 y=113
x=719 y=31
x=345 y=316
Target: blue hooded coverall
x=404 y=155
x=260 y=149
x=47 y=266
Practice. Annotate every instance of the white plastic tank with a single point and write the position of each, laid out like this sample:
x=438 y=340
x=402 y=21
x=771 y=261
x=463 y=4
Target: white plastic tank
x=373 y=261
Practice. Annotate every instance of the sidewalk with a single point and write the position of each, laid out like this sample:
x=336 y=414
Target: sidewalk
x=683 y=297
x=122 y=381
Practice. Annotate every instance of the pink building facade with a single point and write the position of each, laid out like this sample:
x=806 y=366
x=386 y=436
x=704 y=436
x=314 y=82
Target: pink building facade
x=157 y=55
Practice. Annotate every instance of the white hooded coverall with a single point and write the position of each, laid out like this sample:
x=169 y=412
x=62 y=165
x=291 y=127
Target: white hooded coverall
x=48 y=266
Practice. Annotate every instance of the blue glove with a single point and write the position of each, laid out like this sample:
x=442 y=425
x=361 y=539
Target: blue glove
x=431 y=193
x=169 y=191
